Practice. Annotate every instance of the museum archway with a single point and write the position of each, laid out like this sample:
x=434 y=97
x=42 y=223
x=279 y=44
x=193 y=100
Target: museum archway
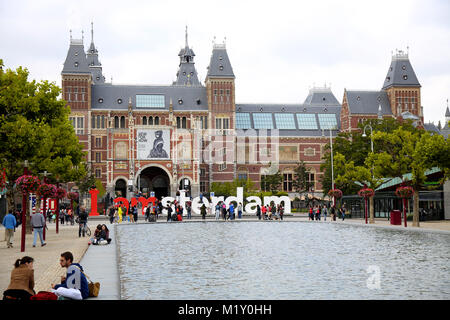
x=154 y=179
x=120 y=189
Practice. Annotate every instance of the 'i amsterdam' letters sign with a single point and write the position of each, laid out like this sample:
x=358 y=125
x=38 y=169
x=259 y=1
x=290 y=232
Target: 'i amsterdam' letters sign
x=153 y=144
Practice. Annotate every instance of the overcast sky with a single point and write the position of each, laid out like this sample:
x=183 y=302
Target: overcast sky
x=278 y=49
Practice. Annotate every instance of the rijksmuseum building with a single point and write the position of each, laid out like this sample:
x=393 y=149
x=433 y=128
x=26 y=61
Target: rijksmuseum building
x=189 y=134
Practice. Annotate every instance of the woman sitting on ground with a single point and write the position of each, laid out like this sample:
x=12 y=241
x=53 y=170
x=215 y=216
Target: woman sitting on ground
x=21 y=286
x=106 y=231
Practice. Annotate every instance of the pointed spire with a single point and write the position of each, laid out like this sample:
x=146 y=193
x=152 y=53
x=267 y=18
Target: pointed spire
x=186 y=38
x=92 y=32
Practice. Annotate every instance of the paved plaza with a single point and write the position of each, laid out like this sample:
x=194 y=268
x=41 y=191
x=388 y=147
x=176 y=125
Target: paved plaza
x=100 y=262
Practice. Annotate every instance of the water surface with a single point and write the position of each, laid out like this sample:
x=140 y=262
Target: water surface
x=280 y=260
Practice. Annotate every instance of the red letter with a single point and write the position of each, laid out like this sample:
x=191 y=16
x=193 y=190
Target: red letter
x=94 y=193
x=146 y=201
x=123 y=201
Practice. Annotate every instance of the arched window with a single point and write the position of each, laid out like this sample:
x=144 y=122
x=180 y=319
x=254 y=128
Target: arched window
x=116 y=122
x=103 y=122
x=93 y=122
x=178 y=123
x=144 y=120
x=150 y=121
x=183 y=123
x=98 y=122
x=156 y=121
x=122 y=121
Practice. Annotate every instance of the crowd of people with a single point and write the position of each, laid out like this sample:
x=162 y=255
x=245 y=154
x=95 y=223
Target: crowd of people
x=319 y=211
x=176 y=212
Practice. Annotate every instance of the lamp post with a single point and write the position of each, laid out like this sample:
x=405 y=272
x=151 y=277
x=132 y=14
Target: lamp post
x=371 y=148
x=332 y=165
x=45 y=174
x=24 y=206
x=371 y=139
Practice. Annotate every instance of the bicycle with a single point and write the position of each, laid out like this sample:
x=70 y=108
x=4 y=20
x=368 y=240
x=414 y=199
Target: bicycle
x=85 y=229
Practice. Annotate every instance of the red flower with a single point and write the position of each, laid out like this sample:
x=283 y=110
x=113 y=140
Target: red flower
x=366 y=192
x=46 y=190
x=72 y=195
x=404 y=192
x=335 y=193
x=60 y=193
x=28 y=184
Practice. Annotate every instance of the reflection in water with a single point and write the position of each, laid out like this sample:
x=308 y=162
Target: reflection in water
x=287 y=260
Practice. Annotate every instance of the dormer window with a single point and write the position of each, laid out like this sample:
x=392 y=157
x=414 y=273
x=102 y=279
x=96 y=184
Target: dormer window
x=405 y=77
x=100 y=100
x=119 y=101
x=180 y=101
x=220 y=58
x=388 y=79
x=221 y=67
x=404 y=67
x=76 y=64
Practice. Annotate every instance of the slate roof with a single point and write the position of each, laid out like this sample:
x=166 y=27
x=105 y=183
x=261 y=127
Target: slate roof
x=219 y=65
x=368 y=102
x=431 y=128
x=321 y=97
x=401 y=72
x=187 y=74
x=193 y=98
x=76 y=61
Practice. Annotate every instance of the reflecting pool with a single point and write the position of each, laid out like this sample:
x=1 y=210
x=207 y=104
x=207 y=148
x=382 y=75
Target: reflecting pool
x=281 y=260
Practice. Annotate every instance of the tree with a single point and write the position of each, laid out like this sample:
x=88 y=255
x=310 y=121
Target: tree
x=34 y=126
x=415 y=153
x=301 y=182
x=271 y=182
x=370 y=174
x=354 y=147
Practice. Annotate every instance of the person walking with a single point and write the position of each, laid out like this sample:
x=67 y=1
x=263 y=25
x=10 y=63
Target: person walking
x=224 y=211
x=111 y=214
x=258 y=212
x=319 y=211
x=281 y=212
x=9 y=222
x=264 y=210
x=343 y=213
x=203 y=211
x=135 y=214
x=82 y=223
x=324 y=212
x=169 y=212
x=217 y=211
x=21 y=286
x=119 y=213
x=189 y=210
x=311 y=217
x=38 y=224
x=131 y=214
x=240 y=211
x=231 y=211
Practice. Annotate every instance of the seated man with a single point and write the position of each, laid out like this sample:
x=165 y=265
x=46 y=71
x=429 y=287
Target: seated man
x=75 y=277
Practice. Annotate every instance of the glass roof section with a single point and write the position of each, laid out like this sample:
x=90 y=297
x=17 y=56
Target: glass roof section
x=263 y=120
x=150 y=101
x=307 y=121
x=243 y=121
x=328 y=121
x=285 y=121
